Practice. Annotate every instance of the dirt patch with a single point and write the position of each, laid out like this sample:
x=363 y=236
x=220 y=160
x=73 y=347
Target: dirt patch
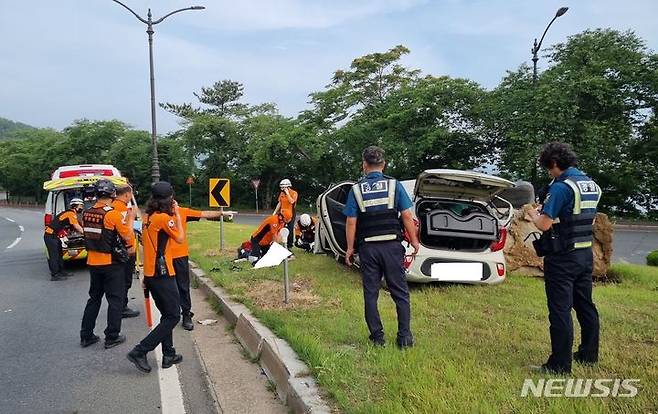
x=268 y=294
x=521 y=256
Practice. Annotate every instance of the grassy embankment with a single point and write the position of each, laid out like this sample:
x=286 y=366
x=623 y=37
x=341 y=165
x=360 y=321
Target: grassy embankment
x=473 y=344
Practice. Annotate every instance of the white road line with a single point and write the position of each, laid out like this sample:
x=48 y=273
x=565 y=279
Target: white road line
x=171 y=392
x=13 y=221
x=18 y=239
x=21 y=228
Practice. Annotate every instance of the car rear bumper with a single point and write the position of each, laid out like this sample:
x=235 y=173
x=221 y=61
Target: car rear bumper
x=494 y=268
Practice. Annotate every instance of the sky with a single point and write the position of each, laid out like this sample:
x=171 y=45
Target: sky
x=71 y=59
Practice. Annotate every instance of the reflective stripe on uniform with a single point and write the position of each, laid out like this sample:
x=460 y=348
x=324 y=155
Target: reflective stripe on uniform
x=590 y=204
x=582 y=245
x=92 y=230
x=577 y=204
x=359 y=198
x=375 y=202
x=392 y=187
x=384 y=237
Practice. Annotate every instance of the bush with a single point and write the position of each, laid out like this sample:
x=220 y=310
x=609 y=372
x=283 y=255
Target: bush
x=652 y=258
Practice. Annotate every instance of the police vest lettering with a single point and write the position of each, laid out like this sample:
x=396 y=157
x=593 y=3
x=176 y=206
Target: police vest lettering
x=575 y=231
x=378 y=219
x=97 y=237
x=56 y=224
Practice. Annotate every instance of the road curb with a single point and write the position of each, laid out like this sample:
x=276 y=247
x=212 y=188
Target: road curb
x=294 y=385
x=636 y=227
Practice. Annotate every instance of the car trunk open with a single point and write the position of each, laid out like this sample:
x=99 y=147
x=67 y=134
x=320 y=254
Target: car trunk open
x=451 y=207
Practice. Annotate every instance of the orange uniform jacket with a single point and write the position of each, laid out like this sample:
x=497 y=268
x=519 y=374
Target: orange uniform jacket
x=124 y=210
x=158 y=228
x=310 y=230
x=183 y=249
x=268 y=230
x=288 y=208
x=64 y=217
x=112 y=221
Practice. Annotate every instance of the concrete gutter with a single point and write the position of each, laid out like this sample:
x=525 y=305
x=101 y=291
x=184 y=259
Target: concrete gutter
x=292 y=377
x=637 y=227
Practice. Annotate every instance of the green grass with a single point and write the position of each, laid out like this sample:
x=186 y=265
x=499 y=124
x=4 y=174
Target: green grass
x=473 y=344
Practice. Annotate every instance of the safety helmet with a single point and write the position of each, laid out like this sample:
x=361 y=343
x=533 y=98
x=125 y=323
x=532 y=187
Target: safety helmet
x=105 y=188
x=305 y=220
x=285 y=183
x=76 y=202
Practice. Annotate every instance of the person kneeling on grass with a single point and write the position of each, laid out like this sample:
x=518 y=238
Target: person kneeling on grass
x=265 y=235
x=305 y=232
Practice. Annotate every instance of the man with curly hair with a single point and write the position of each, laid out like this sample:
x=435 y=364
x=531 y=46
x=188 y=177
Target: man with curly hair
x=566 y=219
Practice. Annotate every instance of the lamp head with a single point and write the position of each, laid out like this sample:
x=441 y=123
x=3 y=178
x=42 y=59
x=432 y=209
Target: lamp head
x=561 y=11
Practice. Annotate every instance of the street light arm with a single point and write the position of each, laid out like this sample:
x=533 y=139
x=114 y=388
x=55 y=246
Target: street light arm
x=130 y=10
x=177 y=11
x=542 y=36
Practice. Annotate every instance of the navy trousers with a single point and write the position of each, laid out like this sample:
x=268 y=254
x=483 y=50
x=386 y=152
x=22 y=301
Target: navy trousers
x=384 y=259
x=568 y=283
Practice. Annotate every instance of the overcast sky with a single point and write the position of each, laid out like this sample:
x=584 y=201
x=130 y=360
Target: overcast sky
x=70 y=59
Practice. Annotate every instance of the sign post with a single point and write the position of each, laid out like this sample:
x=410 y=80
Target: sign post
x=189 y=182
x=220 y=196
x=255 y=183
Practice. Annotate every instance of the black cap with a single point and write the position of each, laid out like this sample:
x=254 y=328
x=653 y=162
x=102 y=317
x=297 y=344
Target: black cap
x=162 y=189
x=105 y=188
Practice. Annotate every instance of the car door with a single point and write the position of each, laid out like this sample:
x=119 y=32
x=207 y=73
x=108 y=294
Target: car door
x=331 y=224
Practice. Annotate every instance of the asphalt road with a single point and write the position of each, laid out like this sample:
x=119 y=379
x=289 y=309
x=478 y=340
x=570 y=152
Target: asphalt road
x=44 y=369
x=630 y=246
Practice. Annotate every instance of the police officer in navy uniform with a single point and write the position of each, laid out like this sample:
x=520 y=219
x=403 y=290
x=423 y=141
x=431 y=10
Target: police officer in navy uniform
x=566 y=220
x=374 y=208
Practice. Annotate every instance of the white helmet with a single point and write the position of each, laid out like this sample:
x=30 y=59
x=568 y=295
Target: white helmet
x=76 y=202
x=285 y=183
x=305 y=220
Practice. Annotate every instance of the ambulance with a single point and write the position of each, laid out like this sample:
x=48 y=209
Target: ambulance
x=76 y=181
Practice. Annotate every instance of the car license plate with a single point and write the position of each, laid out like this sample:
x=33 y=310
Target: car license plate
x=457 y=272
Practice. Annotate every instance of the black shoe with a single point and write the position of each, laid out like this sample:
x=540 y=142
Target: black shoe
x=58 y=277
x=129 y=313
x=67 y=274
x=405 y=342
x=581 y=359
x=140 y=361
x=548 y=370
x=378 y=342
x=187 y=323
x=112 y=342
x=85 y=342
x=169 y=360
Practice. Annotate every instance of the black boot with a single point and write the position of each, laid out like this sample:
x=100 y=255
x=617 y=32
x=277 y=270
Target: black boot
x=129 y=313
x=85 y=342
x=187 y=321
x=169 y=360
x=112 y=342
x=57 y=277
x=140 y=361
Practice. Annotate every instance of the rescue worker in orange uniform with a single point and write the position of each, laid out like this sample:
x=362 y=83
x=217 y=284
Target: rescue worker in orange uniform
x=65 y=220
x=162 y=225
x=180 y=252
x=287 y=207
x=106 y=237
x=305 y=232
x=121 y=204
x=265 y=235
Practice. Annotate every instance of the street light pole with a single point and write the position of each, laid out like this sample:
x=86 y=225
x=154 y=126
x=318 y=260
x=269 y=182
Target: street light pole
x=535 y=51
x=536 y=46
x=155 y=168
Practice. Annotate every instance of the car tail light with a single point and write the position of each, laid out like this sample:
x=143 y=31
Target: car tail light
x=500 y=244
x=47 y=219
x=405 y=234
x=500 y=267
x=408 y=260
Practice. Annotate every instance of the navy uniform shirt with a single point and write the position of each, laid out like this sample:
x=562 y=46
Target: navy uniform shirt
x=560 y=198
x=402 y=200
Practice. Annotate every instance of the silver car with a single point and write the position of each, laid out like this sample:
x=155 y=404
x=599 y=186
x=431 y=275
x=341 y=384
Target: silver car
x=461 y=219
